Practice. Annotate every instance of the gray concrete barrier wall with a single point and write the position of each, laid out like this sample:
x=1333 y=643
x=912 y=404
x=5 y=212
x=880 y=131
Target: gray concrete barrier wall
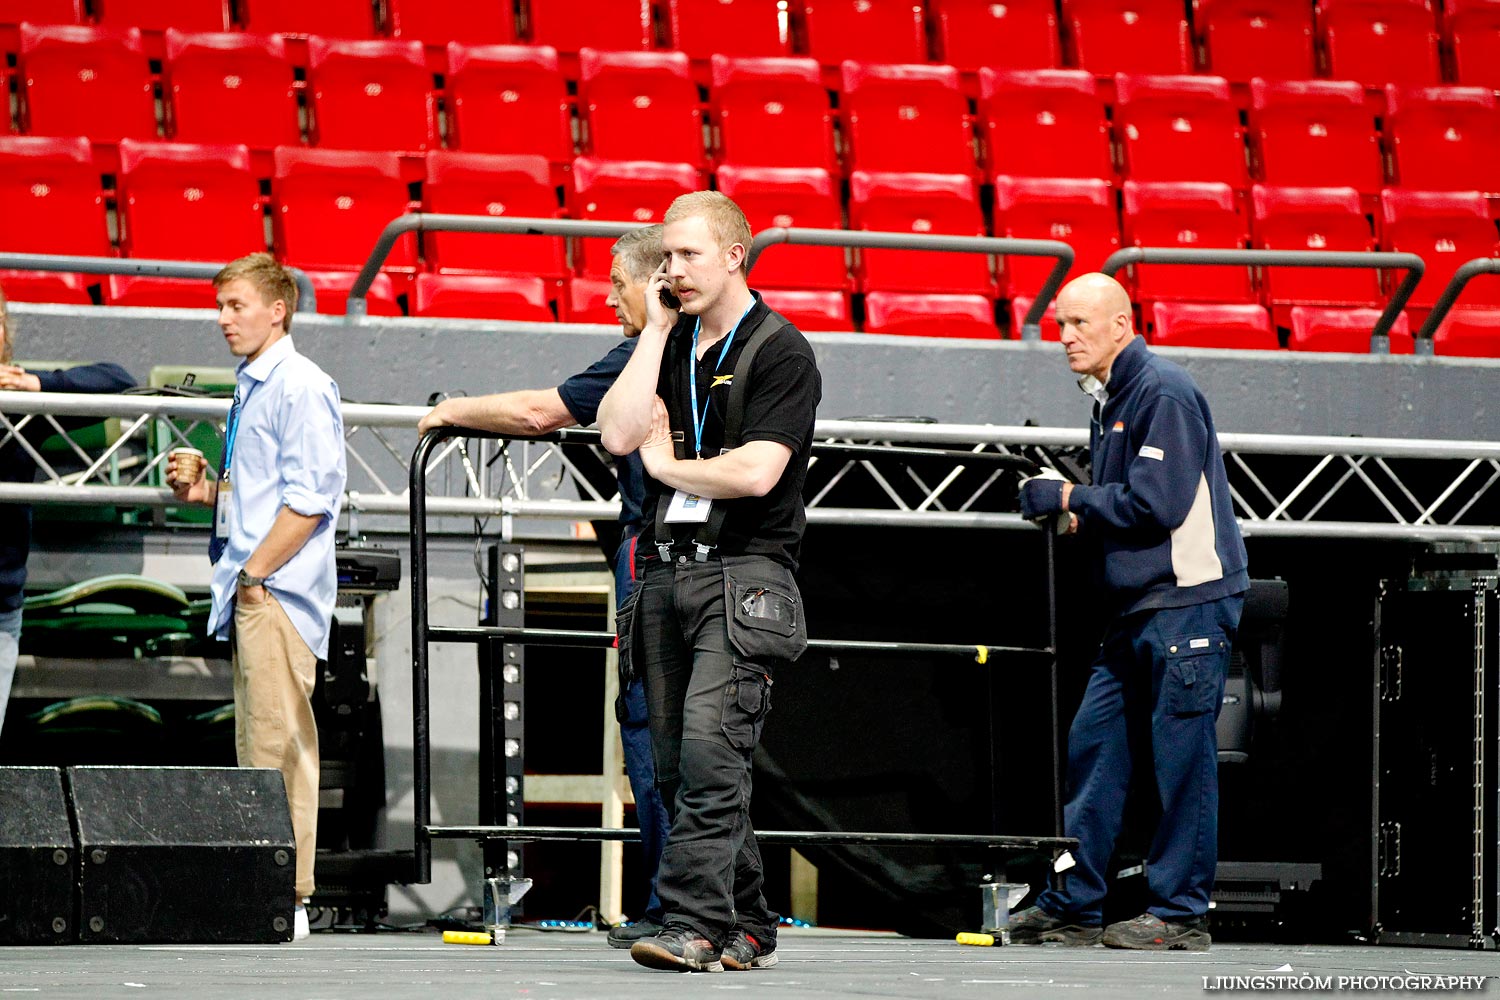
x=1001 y=382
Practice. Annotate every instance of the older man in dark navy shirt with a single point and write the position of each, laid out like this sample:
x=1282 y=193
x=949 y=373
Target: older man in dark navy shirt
x=576 y=402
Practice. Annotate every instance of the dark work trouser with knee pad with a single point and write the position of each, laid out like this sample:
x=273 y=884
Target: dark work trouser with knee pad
x=1152 y=701
x=708 y=659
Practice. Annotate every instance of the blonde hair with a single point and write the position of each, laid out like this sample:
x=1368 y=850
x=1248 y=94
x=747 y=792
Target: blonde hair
x=725 y=220
x=267 y=276
x=7 y=346
x=639 y=251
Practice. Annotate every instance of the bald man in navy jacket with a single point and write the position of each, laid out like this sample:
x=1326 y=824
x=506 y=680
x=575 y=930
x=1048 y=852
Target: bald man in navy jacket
x=1160 y=523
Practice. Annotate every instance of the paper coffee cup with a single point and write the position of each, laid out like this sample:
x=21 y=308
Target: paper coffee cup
x=189 y=462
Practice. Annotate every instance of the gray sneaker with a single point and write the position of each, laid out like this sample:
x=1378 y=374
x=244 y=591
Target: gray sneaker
x=1035 y=925
x=1148 y=932
x=679 y=948
x=745 y=951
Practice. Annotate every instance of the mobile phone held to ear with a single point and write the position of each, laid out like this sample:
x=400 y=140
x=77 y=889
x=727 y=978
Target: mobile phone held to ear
x=669 y=300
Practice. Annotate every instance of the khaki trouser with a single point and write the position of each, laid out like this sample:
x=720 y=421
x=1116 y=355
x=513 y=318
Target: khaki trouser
x=274 y=672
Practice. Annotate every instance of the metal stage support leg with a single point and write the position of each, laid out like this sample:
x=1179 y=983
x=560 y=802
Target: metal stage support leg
x=502 y=737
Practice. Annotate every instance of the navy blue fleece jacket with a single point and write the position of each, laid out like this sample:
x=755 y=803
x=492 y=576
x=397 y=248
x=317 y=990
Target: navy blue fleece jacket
x=17 y=466
x=1159 y=509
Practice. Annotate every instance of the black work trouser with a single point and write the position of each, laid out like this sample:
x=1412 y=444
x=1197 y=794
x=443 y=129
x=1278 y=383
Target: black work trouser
x=707 y=703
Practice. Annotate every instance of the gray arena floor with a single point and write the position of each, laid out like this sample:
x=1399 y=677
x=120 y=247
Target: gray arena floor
x=818 y=963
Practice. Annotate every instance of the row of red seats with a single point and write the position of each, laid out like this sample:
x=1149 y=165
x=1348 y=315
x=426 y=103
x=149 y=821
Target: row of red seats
x=1373 y=41
x=378 y=95
x=328 y=207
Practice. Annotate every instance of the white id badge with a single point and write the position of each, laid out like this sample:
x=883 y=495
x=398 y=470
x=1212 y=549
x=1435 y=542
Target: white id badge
x=686 y=508
x=221 y=509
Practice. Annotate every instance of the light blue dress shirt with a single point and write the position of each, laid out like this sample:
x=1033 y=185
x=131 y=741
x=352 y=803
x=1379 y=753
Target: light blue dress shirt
x=288 y=452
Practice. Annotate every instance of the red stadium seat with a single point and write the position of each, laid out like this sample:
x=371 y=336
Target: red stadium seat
x=440 y=22
x=158 y=15
x=931 y=315
x=1191 y=216
x=1044 y=123
x=1180 y=128
x=888 y=31
x=508 y=99
x=772 y=113
x=332 y=288
x=1380 y=41
x=790 y=197
x=569 y=26
x=1468 y=333
x=1078 y=211
x=192 y=202
x=924 y=204
x=331 y=205
x=50 y=197
x=483 y=296
x=156 y=293
x=811 y=310
x=40 y=286
x=622 y=191
x=1271 y=39
x=329 y=18
x=582 y=301
x=626 y=97
x=371 y=95
x=1445 y=229
x=1018 y=34
x=1019 y=307
x=703 y=28
x=1134 y=36
x=1202 y=324
x=13 y=12
x=911 y=118
x=1445 y=138
x=231 y=88
x=1314 y=219
x=484 y=184
x=86 y=81
x=1474 y=38
x=1315 y=133
x=1343 y=330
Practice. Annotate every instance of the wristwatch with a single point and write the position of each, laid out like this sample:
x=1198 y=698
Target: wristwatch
x=246 y=580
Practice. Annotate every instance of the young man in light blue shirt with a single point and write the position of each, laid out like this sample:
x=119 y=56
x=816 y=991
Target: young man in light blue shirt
x=276 y=505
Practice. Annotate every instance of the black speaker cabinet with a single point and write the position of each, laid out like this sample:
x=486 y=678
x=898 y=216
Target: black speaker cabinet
x=178 y=854
x=37 y=901
x=1436 y=842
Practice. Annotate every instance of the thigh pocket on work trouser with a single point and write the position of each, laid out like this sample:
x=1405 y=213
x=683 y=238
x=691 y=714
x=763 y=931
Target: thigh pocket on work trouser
x=625 y=632
x=747 y=700
x=1193 y=681
x=764 y=611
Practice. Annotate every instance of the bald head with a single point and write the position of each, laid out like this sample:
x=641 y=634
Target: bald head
x=1093 y=313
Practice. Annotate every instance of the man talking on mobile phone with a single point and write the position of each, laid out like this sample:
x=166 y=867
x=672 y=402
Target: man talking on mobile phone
x=720 y=399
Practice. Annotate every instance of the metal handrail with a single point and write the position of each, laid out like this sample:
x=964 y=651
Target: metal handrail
x=428 y=222
x=1466 y=272
x=1031 y=326
x=1380 y=261
x=307 y=296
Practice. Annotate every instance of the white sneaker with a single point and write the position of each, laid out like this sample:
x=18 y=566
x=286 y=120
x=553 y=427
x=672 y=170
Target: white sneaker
x=300 y=930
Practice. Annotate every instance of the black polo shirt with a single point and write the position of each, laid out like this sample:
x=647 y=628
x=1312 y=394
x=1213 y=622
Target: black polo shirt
x=780 y=405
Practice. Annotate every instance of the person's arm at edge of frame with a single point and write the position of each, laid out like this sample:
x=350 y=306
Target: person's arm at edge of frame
x=626 y=412
x=522 y=412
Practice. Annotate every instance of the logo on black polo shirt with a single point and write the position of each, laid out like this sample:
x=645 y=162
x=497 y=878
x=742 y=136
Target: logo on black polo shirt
x=722 y=380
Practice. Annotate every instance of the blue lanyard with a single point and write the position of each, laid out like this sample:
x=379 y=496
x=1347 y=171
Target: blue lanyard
x=701 y=418
x=232 y=430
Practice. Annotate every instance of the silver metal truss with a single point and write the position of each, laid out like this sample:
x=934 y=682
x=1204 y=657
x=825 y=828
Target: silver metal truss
x=862 y=472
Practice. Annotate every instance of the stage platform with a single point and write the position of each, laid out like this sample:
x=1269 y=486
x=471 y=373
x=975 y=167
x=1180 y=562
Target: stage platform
x=819 y=963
